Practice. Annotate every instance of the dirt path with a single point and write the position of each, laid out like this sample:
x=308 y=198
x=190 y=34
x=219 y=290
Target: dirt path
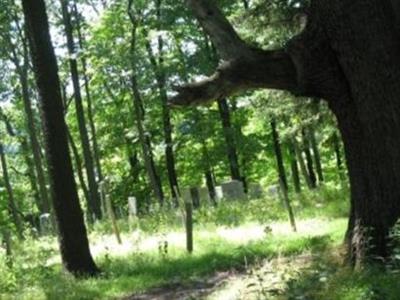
x=280 y=278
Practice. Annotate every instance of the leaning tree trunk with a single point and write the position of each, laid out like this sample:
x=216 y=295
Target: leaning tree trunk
x=74 y=244
x=94 y=205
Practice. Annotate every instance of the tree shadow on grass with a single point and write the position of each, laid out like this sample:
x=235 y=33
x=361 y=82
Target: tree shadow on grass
x=139 y=275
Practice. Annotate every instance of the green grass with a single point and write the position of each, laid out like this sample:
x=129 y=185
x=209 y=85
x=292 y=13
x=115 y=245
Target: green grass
x=138 y=272
x=321 y=223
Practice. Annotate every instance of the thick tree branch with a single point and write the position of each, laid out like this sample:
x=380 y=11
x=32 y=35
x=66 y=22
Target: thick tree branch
x=243 y=67
x=228 y=43
x=261 y=69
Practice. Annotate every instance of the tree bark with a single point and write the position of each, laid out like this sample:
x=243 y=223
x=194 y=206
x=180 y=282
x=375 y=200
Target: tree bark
x=74 y=245
x=94 y=205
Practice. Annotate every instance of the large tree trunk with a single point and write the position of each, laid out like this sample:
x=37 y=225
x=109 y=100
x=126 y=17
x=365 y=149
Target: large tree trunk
x=94 y=205
x=349 y=55
x=74 y=245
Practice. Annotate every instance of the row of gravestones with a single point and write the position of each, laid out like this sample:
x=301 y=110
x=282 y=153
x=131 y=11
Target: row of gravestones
x=233 y=190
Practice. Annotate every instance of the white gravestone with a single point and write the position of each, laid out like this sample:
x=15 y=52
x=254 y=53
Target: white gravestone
x=45 y=224
x=132 y=205
x=219 y=194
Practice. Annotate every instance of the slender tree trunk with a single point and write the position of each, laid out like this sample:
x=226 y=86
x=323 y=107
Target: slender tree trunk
x=31 y=174
x=90 y=113
x=144 y=138
x=295 y=168
x=12 y=206
x=229 y=139
x=74 y=245
x=94 y=204
x=302 y=164
x=158 y=69
x=22 y=73
x=208 y=172
x=317 y=156
x=37 y=155
x=338 y=154
x=282 y=174
x=309 y=160
x=79 y=166
x=278 y=155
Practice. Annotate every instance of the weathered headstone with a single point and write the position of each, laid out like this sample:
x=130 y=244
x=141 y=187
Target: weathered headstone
x=204 y=195
x=132 y=205
x=255 y=190
x=233 y=190
x=45 y=224
x=273 y=191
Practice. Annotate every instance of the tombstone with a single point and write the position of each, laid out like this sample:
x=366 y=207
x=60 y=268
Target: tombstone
x=233 y=190
x=255 y=191
x=273 y=191
x=204 y=194
x=45 y=224
x=132 y=206
x=219 y=194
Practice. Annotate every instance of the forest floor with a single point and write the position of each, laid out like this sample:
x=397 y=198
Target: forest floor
x=242 y=250
x=262 y=278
